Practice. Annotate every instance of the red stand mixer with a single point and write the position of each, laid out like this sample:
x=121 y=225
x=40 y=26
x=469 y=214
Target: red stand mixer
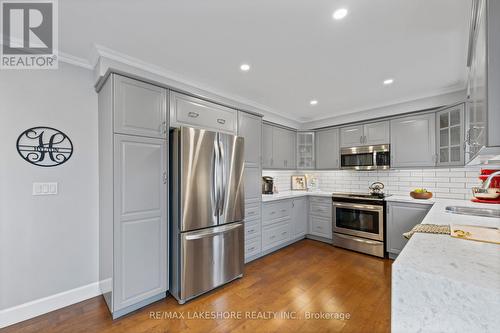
x=491 y=194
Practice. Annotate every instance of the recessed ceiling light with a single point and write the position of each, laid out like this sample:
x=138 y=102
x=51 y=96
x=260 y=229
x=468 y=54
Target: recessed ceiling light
x=313 y=102
x=340 y=13
x=388 y=81
x=245 y=67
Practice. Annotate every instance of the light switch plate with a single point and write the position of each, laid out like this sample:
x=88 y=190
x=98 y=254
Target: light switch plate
x=44 y=188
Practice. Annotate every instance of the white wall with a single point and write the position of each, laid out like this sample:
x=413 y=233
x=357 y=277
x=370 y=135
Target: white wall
x=48 y=244
x=452 y=183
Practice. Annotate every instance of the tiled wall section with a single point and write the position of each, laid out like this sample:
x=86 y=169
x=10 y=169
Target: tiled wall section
x=452 y=183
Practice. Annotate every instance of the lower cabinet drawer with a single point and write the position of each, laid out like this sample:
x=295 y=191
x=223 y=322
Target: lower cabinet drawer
x=252 y=247
x=321 y=227
x=321 y=200
x=321 y=209
x=252 y=211
x=275 y=210
x=252 y=229
x=275 y=234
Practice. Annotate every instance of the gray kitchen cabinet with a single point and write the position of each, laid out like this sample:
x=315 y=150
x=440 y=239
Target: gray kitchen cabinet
x=483 y=103
x=299 y=217
x=413 y=141
x=365 y=134
x=250 y=128
x=320 y=217
x=351 y=136
x=305 y=150
x=196 y=112
x=279 y=147
x=253 y=184
x=401 y=218
x=133 y=202
x=450 y=136
x=267 y=146
x=376 y=133
x=327 y=149
x=139 y=108
x=284 y=148
x=140 y=219
x=276 y=224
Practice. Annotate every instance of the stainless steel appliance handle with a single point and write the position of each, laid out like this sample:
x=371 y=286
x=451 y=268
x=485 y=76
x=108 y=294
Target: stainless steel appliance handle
x=223 y=179
x=215 y=181
x=365 y=241
x=359 y=206
x=212 y=232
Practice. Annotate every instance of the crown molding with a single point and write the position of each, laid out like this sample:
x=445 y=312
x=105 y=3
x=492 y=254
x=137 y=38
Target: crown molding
x=450 y=90
x=73 y=60
x=176 y=80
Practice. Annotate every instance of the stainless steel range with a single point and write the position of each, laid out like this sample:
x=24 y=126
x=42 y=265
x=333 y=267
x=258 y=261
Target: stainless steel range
x=359 y=222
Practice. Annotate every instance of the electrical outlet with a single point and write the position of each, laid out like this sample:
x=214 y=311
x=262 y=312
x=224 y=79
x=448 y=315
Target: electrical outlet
x=44 y=188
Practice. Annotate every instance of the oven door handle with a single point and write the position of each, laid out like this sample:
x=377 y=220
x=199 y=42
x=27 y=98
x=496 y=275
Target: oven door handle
x=359 y=240
x=358 y=206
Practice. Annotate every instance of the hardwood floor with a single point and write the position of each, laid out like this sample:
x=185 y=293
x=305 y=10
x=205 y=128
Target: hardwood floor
x=305 y=277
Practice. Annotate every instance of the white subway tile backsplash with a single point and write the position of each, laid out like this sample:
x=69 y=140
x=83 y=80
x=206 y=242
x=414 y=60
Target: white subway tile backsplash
x=444 y=182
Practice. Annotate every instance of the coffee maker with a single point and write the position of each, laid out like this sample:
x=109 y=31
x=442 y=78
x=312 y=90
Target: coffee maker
x=267 y=185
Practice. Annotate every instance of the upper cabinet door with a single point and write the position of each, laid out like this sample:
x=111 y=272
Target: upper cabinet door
x=327 y=149
x=267 y=146
x=450 y=136
x=280 y=148
x=195 y=112
x=413 y=141
x=305 y=150
x=250 y=128
x=291 y=144
x=140 y=108
x=376 y=133
x=351 y=136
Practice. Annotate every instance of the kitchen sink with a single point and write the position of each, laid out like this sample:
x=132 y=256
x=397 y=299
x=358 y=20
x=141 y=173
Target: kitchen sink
x=463 y=210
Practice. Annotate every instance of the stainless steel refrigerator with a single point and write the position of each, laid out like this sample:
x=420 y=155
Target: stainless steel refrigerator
x=207 y=207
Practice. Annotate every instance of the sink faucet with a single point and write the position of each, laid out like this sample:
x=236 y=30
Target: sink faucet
x=488 y=180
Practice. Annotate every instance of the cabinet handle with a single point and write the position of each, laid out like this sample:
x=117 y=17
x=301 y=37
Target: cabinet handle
x=273 y=237
x=251 y=231
x=193 y=114
x=284 y=233
x=272 y=213
x=165 y=177
x=251 y=213
x=251 y=249
x=221 y=121
x=283 y=210
x=164 y=127
x=361 y=139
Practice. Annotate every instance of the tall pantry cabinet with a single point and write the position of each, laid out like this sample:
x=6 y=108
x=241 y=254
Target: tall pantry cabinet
x=133 y=196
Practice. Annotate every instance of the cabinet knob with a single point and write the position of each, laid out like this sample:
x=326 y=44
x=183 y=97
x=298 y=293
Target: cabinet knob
x=193 y=114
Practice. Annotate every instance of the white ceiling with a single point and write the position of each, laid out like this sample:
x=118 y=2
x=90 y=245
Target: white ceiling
x=297 y=52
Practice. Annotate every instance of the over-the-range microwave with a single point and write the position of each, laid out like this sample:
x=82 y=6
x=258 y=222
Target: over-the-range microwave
x=366 y=157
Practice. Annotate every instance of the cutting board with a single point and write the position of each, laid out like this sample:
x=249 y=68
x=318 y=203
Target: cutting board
x=479 y=234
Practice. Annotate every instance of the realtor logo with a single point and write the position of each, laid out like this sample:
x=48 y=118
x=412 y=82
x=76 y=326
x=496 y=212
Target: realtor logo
x=29 y=34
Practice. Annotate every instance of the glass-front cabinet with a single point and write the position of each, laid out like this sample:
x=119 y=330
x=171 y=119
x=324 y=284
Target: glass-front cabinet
x=450 y=135
x=305 y=150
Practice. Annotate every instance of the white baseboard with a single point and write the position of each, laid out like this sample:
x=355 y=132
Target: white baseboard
x=40 y=306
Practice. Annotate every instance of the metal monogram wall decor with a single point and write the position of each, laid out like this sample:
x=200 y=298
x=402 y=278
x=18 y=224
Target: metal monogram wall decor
x=44 y=146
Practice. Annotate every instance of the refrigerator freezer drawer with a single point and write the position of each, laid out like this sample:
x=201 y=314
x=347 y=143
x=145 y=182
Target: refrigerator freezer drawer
x=210 y=258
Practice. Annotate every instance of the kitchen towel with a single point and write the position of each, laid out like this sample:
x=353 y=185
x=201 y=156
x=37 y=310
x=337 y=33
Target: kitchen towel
x=429 y=229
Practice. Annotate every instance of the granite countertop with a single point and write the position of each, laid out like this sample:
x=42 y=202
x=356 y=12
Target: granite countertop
x=445 y=284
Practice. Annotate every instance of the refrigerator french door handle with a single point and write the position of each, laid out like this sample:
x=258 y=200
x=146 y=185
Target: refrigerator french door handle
x=223 y=180
x=215 y=180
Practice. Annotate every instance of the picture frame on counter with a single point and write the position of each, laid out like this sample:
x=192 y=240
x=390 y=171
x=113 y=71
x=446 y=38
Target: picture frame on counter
x=299 y=183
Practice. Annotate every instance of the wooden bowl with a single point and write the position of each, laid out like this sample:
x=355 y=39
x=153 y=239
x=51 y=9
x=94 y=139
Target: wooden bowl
x=425 y=195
